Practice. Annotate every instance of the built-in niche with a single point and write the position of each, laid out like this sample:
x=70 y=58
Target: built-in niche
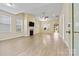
x=31 y=28
x=56 y=27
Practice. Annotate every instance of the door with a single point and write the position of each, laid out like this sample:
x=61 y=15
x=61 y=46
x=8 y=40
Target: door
x=76 y=29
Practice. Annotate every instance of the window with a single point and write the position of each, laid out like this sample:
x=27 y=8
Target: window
x=5 y=22
x=18 y=25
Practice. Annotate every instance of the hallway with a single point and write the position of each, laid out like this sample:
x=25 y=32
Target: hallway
x=37 y=45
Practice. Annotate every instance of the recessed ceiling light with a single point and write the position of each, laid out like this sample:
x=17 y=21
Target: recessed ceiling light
x=9 y=4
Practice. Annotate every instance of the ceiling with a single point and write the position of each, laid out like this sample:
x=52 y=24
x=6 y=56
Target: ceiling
x=37 y=9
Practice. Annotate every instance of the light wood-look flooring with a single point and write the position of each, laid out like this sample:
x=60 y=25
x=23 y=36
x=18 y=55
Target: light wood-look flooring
x=37 y=45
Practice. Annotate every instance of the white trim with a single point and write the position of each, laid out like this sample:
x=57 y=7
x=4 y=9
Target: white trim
x=6 y=36
x=63 y=26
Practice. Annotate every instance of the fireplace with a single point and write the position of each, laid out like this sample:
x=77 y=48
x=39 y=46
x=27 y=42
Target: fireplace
x=31 y=32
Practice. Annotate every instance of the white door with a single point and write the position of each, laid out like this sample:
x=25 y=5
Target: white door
x=76 y=29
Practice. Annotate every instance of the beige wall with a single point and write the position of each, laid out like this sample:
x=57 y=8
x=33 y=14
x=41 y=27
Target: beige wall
x=12 y=33
x=65 y=19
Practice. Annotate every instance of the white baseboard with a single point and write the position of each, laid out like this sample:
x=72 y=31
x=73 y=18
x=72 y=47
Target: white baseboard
x=7 y=36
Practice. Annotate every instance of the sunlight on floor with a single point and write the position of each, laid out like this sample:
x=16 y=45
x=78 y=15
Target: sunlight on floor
x=46 y=39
